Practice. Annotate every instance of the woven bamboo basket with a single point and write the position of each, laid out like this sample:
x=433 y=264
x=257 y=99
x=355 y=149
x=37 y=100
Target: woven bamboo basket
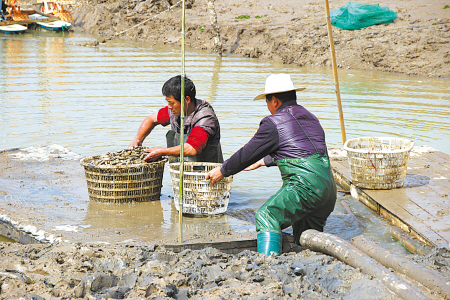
x=124 y=183
x=200 y=198
x=378 y=162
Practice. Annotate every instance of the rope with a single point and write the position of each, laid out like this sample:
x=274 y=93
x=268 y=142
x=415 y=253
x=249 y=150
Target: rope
x=143 y=22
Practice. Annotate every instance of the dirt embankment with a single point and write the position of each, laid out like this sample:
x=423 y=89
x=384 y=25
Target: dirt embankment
x=290 y=31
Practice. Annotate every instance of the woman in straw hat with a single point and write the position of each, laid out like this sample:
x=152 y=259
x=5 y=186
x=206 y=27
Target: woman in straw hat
x=293 y=139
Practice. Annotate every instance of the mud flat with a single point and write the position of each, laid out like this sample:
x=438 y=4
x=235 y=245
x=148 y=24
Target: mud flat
x=68 y=261
x=290 y=32
x=125 y=271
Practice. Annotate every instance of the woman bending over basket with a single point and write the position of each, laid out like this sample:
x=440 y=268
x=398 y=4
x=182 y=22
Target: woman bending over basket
x=293 y=139
x=201 y=126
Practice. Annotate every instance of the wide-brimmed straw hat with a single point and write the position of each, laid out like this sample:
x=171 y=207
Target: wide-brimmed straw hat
x=278 y=83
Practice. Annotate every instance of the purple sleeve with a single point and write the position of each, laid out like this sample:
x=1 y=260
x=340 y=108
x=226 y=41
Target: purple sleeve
x=264 y=141
x=269 y=161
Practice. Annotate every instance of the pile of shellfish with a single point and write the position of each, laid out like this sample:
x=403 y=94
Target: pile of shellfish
x=124 y=157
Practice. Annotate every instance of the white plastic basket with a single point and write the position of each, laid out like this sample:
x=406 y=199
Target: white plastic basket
x=200 y=198
x=378 y=162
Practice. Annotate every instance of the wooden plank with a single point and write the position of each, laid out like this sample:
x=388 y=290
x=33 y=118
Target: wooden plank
x=229 y=246
x=436 y=158
x=407 y=212
x=403 y=219
x=419 y=230
x=419 y=209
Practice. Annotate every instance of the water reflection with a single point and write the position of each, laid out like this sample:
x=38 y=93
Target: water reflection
x=100 y=95
x=118 y=215
x=153 y=220
x=92 y=100
x=5 y=239
x=215 y=77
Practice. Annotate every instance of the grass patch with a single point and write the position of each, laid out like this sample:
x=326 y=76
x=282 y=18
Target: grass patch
x=447 y=6
x=259 y=17
x=201 y=28
x=243 y=17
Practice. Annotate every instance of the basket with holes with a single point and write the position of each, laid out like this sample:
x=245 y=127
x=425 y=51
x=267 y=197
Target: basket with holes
x=199 y=197
x=378 y=162
x=124 y=182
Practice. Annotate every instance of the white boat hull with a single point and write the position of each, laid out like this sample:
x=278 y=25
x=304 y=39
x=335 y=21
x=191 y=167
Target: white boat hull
x=54 y=25
x=14 y=28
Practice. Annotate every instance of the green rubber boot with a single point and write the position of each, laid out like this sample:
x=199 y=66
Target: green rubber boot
x=268 y=243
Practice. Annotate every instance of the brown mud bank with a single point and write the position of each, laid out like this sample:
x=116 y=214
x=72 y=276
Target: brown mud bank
x=126 y=271
x=290 y=31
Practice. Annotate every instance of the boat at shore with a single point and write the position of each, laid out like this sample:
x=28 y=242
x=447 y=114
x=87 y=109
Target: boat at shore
x=51 y=17
x=54 y=25
x=13 y=28
x=44 y=22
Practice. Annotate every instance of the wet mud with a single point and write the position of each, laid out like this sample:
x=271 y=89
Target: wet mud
x=95 y=271
x=290 y=32
x=107 y=264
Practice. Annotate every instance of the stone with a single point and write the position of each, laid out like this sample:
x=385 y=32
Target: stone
x=117 y=292
x=128 y=280
x=103 y=281
x=212 y=273
x=151 y=289
x=33 y=297
x=80 y=290
x=115 y=265
x=170 y=290
x=144 y=281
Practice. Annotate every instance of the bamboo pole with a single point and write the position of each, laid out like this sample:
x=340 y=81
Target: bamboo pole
x=335 y=74
x=180 y=206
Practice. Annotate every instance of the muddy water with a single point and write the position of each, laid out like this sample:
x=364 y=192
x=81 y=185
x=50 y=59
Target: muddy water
x=91 y=100
x=5 y=239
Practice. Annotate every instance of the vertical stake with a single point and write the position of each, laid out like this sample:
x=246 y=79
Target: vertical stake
x=335 y=74
x=180 y=206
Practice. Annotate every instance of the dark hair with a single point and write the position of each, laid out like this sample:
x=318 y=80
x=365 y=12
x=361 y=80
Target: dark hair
x=283 y=97
x=172 y=87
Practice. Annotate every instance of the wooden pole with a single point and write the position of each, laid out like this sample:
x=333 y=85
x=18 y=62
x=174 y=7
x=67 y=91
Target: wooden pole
x=335 y=74
x=180 y=206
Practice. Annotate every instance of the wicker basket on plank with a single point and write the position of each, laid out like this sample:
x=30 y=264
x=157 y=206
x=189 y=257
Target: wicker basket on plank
x=378 y=162
x=200 y=198
x=124 y=183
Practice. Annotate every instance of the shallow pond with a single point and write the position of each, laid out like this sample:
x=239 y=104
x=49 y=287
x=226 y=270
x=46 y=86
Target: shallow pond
x=93 y=99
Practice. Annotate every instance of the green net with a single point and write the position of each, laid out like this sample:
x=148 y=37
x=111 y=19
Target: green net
x=354 y=15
